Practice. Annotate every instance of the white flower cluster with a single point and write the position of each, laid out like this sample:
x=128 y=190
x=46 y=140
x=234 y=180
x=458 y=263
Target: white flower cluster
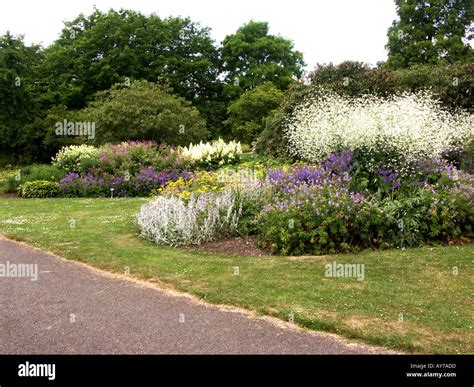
x=170 y=221
x=414 y=125
x=69 y=158
x=217 y=151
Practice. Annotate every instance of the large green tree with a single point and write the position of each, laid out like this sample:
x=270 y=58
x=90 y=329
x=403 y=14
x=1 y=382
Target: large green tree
x=97 y=51
x=17 y=105
x=252 y=56
x=430 y=31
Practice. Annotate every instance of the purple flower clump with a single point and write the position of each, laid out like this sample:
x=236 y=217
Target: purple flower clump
x=148 y=179
x=339 y=162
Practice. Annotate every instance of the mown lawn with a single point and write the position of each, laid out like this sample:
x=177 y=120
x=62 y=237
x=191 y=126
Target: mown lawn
x=410 y=300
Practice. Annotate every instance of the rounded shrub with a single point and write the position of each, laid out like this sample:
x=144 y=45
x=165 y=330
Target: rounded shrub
x=144 y=111
x=39 y=189
x=72 y=158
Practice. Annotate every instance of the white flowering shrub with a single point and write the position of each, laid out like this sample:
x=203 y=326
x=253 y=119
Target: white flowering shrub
x=407 y=127
x=215 y=153
x=170 y=220
x=71 y=158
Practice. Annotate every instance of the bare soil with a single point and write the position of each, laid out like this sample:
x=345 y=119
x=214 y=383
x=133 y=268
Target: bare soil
x=9 y=195
x=234 y=246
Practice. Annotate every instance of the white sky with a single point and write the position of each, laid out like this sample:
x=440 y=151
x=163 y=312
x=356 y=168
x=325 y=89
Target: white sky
x=324 y=30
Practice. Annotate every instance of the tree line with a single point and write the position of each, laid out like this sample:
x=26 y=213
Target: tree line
x=144 y=77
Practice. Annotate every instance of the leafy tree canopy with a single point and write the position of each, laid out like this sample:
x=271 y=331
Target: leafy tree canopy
x=17 y=105
x=428 y=32
x=97 y=51
x=253 y=56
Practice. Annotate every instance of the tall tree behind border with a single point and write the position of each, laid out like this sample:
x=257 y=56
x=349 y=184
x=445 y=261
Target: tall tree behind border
x=431 y=31
x=17 y=106
x=252 y=56
x=97 y=51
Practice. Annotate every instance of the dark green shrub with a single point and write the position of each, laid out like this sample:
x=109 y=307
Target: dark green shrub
x=32 y=173
x=247 y=114
x=467 y=157
x=272 y=141
x=354 y=79
x=452 y=84
x=144 y=111
x=430 y=214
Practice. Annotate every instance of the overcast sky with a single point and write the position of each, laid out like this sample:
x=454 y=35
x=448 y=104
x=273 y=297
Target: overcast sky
x=324 y=30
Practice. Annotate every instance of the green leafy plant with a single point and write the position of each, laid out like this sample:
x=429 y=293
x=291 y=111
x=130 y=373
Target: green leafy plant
x=39 y=189
x=247 y=114
x=32 y=173
x=144 y=111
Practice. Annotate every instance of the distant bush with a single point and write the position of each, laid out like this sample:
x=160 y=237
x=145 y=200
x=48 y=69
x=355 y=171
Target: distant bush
x=354 y=79
x=144 y=111
x=452 y=84
x=41 y=172
x=40 y=142
x=32 y=173
x=466 y=159
x=272 y=140
x=247 y=114
x=39 y=189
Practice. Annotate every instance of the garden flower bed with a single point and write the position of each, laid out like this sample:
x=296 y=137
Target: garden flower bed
x=368 y=173
x=376 y=175
x=316 y=209
x=120 y=170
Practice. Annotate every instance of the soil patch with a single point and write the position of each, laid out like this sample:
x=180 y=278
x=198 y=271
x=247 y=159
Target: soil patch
x=233 y=246
x=9 y=195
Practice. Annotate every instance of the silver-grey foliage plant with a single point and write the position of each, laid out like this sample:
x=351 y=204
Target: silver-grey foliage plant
x=170 y=220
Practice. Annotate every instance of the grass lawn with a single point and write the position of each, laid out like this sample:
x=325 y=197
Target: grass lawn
x=416 y=284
